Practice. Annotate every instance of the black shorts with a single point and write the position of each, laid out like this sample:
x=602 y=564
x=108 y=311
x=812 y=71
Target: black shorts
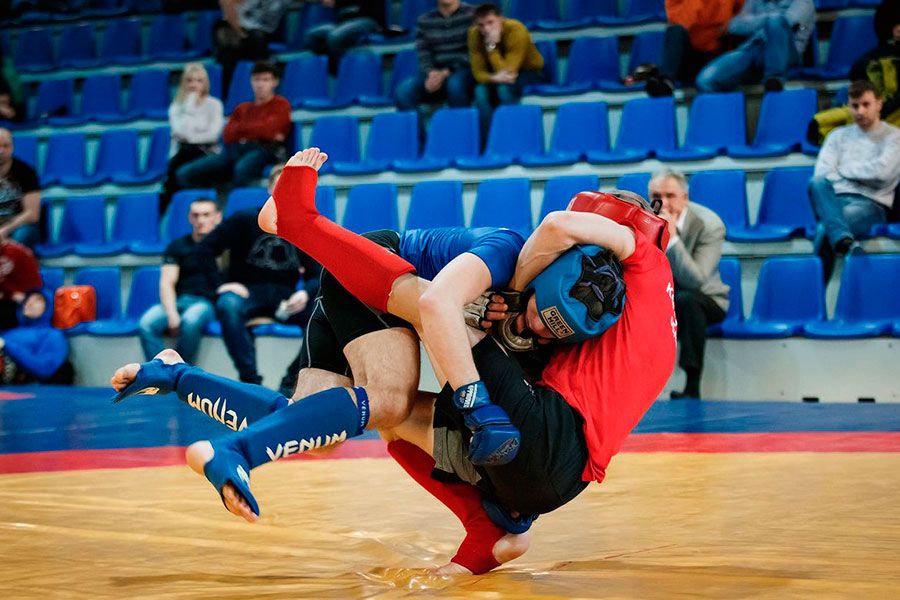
x=547 y=471
x=338 y=318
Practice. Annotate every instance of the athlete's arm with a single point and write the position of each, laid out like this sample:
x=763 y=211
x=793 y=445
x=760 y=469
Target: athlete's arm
x=443 y=327
x=559 y=231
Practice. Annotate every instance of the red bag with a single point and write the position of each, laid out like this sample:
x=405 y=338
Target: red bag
x=74 y=304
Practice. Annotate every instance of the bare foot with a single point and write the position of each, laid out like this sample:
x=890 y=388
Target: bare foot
x=126 y=374
x=507 y=548
x=200 y=453
x=310 y=157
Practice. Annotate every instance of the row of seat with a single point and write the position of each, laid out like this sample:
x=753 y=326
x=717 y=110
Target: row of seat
x=716 y=126
x=784 y=209
x=789 y=300
x=593 y=64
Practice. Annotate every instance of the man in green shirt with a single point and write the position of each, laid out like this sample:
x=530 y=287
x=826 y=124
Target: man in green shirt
x=504 y=60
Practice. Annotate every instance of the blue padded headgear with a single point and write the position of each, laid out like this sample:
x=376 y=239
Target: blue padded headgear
x=581 y=294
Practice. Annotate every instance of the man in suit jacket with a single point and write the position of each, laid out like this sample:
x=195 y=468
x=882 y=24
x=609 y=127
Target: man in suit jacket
x=695 y=246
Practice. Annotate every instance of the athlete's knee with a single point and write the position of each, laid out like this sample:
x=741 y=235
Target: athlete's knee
x=391 y=405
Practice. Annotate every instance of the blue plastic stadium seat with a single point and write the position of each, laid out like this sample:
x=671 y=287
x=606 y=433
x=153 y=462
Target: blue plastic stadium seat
x=406 y=65
x=55 y=102
x=371 y=206
x=338 y=135
x=358 y=81
x=892 y=230
x=34 y=52
x=144 y=293
x=851 y=37
x=83 y=222
x=715 y=122
x=53 y=277
x=280 y=330
x=435 y=204
x=158 y=154
x=547 y=49
x=504 y=203
x=168 y=38
x=638 y=11
x=531 y=12
x=65 y=161
x=101 y=99
x=148 y=95
x=117 y=159
x=136 y=222
x=789 y=295
x=725 y=193
x=517 y=130
x=866 y=306
x=831 y=4
x=647 y=47
x=410 y=10
x=782 y=123
x=730 y=272
x=177 y=214
x=559 y=190
x=244 y=198
x=25 y=147
x=579 y=13
x=313 y=14
x=78 y=47
x=305 y=78
x=122 y=42
x=452 y=134
x=203 y=28
x=325 y=202
x=392 y=137
x=638 y=183
x=239 y=89
x=647 y=126
x=784 y=211
x=106 y=282
x=591 y=59
x=580 y=128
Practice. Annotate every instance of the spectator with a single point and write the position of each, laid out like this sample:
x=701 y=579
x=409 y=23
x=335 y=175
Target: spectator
x=882 y=64
x=187 y=289
x=856 y=174
x=776 y=33
x=444 y=71
x=254 y=137
x=355 y=19
x=504 y=60
x=20 y=196
x=35 y=351
x=695 y=247
x=196 y=121
x=692 y=39
x=263 y=270
x=245 y=32
x=12 y=99
x=20 y=277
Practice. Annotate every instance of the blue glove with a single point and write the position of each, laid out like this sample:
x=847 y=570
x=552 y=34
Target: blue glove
x=495 y=440
x=154 y=377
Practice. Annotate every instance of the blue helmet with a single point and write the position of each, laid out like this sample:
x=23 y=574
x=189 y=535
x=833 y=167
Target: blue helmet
x=581 y=294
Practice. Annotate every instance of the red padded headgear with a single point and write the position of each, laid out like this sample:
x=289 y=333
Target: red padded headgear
x=625 y=212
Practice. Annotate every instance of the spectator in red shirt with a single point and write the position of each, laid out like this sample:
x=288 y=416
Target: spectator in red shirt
x=20 y=278
x=254 y=137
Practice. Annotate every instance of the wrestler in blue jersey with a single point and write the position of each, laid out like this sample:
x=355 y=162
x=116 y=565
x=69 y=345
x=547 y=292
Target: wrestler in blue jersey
x=339 y=318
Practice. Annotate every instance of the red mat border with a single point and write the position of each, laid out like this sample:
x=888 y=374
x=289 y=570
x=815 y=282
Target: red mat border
x=128 y=458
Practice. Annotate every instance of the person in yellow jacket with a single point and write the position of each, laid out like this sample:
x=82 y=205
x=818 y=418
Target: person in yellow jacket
x=504 y=60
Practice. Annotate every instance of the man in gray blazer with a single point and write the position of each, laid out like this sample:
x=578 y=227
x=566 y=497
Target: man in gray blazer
x=695 y=246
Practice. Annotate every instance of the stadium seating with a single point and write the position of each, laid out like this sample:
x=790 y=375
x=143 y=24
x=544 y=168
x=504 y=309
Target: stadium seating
x=305 y=78
x=579 y=13
x=591 y=60
x=730 y=272
x=392 y=137
x=148 y=96
x=340 y=135
x=158 y=153
x=78 y=47
x=65 y=161
x=52 y=278
x=239 y=89
x=452 y=135
x=55 y=102
x=637 y=12
x=245 y=198
x=117 y=159
x=371 y=206
x=34 y=51
x=106 y=281
x=25 y=148
x=634 y=182
x=517 y=130
x=784 y=209
x=559 y=190
x=715 y=122
x=503 y=203
x=83 y=222
x=866 y=303
x=647 y=126
x=725 y=192
x=851 y=37
x=646 y=48
x=325 y=203
x=781 y=128
x=532 y=12
x=580 y=128
x=435 y=204
x=169 y=40
x=122 y=42
x=144 y=294
x=789 y=295
x=101 y=99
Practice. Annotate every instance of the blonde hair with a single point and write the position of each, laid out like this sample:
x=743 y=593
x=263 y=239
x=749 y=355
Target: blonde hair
x=192 y=69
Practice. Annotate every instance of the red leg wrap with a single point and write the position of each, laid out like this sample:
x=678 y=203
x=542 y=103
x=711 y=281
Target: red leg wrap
x=366 y=269
x=476 y=551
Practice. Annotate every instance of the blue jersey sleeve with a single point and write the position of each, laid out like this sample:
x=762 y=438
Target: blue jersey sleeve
x=499 y=250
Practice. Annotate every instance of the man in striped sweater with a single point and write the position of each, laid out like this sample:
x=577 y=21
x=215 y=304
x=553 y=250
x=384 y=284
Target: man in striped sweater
x=444 y=72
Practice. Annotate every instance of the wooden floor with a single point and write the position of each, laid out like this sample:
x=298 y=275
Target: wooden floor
x=774 y=525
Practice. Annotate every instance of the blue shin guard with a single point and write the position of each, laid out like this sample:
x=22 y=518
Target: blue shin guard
x=231 y=403
x=495 y=440
x=228 y=465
